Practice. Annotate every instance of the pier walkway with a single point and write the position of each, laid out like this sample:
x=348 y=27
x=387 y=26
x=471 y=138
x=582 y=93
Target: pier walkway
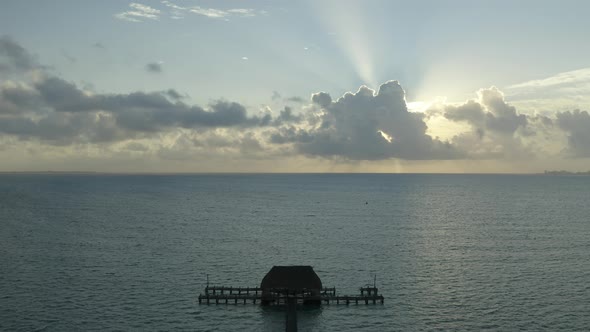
x=244 y=295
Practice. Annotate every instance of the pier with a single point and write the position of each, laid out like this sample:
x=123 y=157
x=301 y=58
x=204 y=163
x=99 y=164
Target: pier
x=280 y=296
x=288 y=286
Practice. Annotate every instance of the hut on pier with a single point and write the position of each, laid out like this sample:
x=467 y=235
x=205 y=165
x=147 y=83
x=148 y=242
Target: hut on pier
x=295 y=281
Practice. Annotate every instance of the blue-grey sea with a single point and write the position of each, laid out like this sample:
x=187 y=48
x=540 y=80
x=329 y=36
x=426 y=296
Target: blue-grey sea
x=450 y=252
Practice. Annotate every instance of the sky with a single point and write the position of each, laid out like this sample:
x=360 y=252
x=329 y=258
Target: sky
x=294 y=86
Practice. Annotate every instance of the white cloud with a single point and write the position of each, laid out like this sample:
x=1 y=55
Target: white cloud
x=173 y=6
x=209 y=12
x=213 y=12
x=242 y=12
x=138 y=13
x=560 y=92
x=560 y=79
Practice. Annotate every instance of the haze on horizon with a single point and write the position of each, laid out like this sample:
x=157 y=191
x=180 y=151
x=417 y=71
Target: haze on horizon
x=294 y=86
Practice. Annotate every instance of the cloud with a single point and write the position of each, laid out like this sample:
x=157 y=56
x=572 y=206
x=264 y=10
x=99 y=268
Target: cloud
x=496 y=129
x=366 y=125
x=174 y=95
x=46 y=112
x=296 y=99
x=68 y=57
x=154 y=67
x=173 y=6
x=13 y=57
x=564 y=91
x=276 y=96
x=489 y=113
x=558 y=80
x=577 y=126
x=99 y=45
x=179 y=11
x=16 y=98
x=55 y=110
x=218 y=13
x=138 y=13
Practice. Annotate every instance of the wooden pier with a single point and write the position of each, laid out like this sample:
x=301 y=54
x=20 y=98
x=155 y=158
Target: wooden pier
x=280 y=296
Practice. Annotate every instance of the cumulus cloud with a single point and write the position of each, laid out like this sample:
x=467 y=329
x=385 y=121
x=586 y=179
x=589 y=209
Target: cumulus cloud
x=366 y=125
x=489 y=113
x=48 y=111
x=577 y=126
x=496 y=127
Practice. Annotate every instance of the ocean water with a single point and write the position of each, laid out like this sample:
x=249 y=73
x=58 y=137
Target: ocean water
x=450 y=252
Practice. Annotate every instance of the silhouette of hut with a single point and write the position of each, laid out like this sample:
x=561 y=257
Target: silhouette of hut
x=300 y=281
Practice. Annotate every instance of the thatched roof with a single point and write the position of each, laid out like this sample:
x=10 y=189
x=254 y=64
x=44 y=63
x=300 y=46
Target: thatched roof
x=291 y=277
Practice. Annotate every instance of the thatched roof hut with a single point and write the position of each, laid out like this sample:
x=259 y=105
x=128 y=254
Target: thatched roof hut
x=293 y=278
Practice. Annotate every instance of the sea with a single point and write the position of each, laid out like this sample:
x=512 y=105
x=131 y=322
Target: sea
x=98 y=252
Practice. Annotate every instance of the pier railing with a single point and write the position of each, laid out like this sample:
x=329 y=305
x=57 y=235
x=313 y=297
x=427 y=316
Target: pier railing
x=279 y=296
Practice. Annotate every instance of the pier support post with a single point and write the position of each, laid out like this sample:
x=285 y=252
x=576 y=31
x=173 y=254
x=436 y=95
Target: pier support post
x=291 y=319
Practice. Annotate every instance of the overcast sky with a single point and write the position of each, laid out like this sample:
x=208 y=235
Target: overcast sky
x=294 y=86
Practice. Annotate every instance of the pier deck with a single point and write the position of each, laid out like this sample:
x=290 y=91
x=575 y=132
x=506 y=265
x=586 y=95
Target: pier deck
x=244 y=295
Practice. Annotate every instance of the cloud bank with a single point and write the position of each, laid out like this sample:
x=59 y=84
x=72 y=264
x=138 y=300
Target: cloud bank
x=41 y=112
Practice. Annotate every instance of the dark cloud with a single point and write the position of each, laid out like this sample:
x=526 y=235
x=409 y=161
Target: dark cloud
x=65 y=112
x=287 y=116
x=296 y=99
x=322 y=99
x=16 y=99
x=367 y=126
x=577 y=126
x=501 y=117
x=153 y=67
x=64 y=129
x=276 y=96
x=174 y=95
x=13 y=57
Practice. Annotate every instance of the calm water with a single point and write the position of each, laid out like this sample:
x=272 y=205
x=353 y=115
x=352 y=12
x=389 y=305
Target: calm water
x=451 y=252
